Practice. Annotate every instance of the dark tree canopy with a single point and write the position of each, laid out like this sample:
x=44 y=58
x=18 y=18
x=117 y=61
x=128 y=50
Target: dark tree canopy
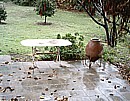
x=114 y=14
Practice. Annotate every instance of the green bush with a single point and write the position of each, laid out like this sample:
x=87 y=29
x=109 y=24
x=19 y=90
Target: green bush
x=119 y=54
x=25 y=2
x=3 y=13
x=5 y=0
x=73 y=52
x=109 y=54
x=76 y=50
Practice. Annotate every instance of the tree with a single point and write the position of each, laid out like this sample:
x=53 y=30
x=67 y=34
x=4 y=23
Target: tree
x=3 y=13
x=45 y=8
x=114 y=14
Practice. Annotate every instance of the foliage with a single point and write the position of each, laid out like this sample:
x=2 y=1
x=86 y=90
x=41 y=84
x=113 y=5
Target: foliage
x=45 y=8
x=11 y=1
x=25 y=2
x=119 y=54
x=76 y=50
x=73 y=5
x=114 y=16
x=73 y=52
x=66 y=4
x=5 y=0
x=64 y=22
x=109 y=54
x=3 y=13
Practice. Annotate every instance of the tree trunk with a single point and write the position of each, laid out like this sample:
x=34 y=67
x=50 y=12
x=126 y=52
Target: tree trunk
x=45 y=18
x=107 y=34
x=106 y=28
x=114 y=32
x=29 y=2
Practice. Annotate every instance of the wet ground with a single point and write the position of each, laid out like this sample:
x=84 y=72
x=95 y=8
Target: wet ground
x=50 y=81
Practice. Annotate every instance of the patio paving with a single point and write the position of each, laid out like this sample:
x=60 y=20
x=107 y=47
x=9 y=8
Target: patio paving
x=74 y=81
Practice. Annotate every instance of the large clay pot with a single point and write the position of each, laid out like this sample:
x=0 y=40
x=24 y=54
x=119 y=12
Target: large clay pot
x=94 y=50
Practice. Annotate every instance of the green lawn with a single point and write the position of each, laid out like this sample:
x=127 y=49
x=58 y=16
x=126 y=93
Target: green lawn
x=21 y=24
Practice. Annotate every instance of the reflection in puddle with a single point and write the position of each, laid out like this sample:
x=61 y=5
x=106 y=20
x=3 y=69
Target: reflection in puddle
x=90 y=78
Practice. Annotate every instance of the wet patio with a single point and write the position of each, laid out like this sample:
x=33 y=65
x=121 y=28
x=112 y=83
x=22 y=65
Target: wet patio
x=50 y=81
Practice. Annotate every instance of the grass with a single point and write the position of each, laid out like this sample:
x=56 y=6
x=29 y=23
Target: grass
x=21 y=24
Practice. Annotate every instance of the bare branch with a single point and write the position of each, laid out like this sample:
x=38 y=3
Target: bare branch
x=85 y=8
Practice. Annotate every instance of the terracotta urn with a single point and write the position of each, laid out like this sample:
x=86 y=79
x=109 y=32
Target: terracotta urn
x=94 y=50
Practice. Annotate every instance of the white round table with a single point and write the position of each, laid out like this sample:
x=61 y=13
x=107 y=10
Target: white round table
x=45 y=42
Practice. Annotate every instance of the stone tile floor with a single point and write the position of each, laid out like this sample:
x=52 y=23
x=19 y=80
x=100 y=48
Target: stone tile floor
x=73 y=80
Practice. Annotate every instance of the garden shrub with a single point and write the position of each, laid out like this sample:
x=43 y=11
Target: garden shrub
x=76 y=50
x=73 y=52
x=25 y=2
x=3 y=13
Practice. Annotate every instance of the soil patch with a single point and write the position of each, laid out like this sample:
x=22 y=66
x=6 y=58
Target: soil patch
x=43 y=23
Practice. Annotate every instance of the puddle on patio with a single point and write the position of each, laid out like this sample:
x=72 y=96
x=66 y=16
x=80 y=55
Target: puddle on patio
x=74 y=81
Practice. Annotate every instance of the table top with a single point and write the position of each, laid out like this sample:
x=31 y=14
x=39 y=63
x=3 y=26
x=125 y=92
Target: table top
x=46 y=42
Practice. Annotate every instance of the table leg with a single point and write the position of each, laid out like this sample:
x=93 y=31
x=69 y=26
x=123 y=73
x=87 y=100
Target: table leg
x=33 y=57
x=58 y=55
